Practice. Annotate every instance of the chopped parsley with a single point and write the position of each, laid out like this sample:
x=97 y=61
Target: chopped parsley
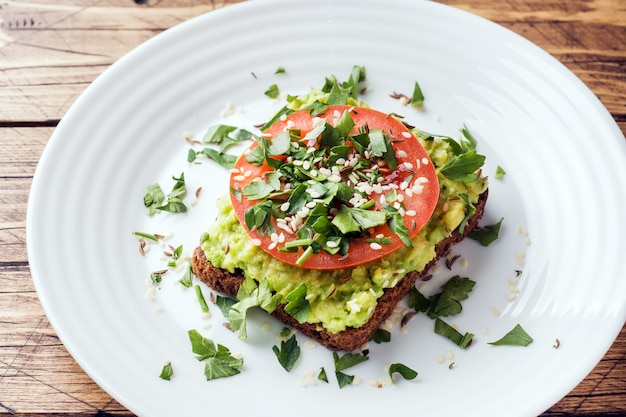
x=223 y=159
x=186 y=280
x=251 y=295
x=344 y=362
x=515 y=337
x=288 y=353
x=200 y=297
x=321 y=376
x=500 y=172
x=272 y=91
x=444 y=329
x=167 y=372
x=486 y=235
x=155 y=199
x=417 y=99
x=404 y=371
x=219 y=362
x=445 y=304
x=381 y=336
x=297 y=304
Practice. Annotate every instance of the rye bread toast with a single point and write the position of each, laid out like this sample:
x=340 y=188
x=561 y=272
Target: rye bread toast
x=352 y=338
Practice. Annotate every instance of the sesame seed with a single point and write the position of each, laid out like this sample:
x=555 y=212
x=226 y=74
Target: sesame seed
x=406 y=134
x=411 y=213
x=284 y=207
x=239 y=178
x=332 y=244
x=425 y=161
x=256 y=242
x=376 y=246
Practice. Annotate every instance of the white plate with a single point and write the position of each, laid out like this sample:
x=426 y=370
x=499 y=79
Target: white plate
x=563 y=154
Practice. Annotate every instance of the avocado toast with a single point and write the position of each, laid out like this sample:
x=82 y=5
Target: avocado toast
x=333 y=215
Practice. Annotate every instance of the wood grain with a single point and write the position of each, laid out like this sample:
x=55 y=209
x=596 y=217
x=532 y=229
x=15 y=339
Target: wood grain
x=51 y=51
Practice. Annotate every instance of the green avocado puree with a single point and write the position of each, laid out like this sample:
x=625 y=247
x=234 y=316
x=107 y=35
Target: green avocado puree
x=345 y=297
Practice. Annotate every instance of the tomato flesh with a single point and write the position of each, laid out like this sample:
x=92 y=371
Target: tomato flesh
x=420 y=191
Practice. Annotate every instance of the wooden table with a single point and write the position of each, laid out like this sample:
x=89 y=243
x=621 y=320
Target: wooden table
x=51 y=50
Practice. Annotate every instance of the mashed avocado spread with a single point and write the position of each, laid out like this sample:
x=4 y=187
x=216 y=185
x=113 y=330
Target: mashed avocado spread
x=346 y=297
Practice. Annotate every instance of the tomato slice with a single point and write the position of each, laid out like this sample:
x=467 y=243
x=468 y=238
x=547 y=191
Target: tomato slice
x=414 y=181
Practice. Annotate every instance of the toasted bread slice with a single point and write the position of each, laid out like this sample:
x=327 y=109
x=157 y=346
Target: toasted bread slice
x=351 y=338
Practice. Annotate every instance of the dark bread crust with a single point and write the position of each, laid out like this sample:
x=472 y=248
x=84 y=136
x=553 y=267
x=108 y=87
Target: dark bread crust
x=351 y=338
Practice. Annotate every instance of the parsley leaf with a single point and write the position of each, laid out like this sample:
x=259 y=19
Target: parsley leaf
x=500 y=172
x=444 y=329
x=187 y=277
x=217 y=133
x=224 y=304
x=225 y=160
x=448 y=302
x=154 y=197
x=348 y=360
x=298 y=306
x=396 y=224
x=258 y=217
x=418 y=301
x=322 y=375
x=516 y=337
x=462 y=168
x=288 y=353
x=381 y=336
x=218 y=360
x=486 y=235
x=344 y=362
x=203 y=304
x=343 y=379
x=417 y=100
x=470 y=210
x=404 y=371
x=167 y=371
x=272 y=91
x=250 y=295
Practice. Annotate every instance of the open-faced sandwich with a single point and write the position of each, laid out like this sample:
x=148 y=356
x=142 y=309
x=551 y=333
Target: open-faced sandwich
x=334 y=213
